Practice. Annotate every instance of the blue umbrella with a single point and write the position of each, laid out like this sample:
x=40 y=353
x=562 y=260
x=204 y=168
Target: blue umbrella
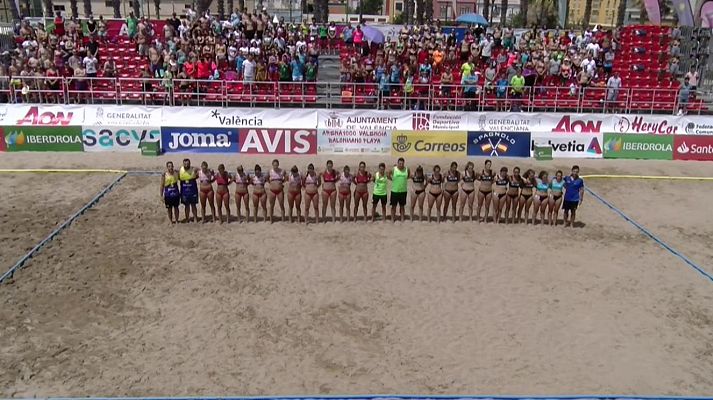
x=372 y=34
x=472 y=19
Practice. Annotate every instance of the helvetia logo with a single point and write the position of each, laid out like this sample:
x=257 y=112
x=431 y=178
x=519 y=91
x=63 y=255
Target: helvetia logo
x=594 y=147
x=683 y=148
x=402 y=144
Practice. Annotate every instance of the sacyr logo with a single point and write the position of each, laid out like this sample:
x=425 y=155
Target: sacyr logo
x=614 y=144
x=402 y=144
x=683 y=148
x=421 y=121
x=594 y=146
x=15 y=139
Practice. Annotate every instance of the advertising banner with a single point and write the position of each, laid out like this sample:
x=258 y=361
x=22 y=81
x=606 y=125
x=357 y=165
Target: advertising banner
x=646 y=147
x=647 y=124
x=3 y=143
x=504 y=122
x=693 y=148
x=429 y=143
x=278 y=141
x=437 y=121
x=573 y=123
x=359 y=131
x=122 y=116
x=499 y=144
x=37 y=138
x=576 y=145
x=199 y=140
x=44 y=115
x=105 y=138
x=239 y=117
x=696 y=125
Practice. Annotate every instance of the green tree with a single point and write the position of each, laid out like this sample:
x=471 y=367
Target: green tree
x=87 y=7
x=504 y=10
x=321 y=11
x=621 y=13
x=49 y=8
x=369 y=7
x=587 y=14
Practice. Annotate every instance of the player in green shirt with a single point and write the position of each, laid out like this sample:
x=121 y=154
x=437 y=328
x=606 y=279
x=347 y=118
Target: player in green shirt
x=379 y=196
x=399 y=177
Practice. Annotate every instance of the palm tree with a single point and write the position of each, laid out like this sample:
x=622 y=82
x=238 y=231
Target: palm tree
x=504 y=10
x=428 y=10
x=419 y=12
x=587 y=14
x=321 y=11
x=486 y=10
x=87 y=7
x=137 y=8
x=73 y=7
x=524 y=9
x=49 y=8
x=14 y=11
x=117 y=8
x=221 y=9
x=157 y=8
x=231 y=5
x=621 y=13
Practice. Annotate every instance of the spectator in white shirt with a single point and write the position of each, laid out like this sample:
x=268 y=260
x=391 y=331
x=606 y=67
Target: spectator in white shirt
x=90 y=64
x=249 y=67
x=613 y=85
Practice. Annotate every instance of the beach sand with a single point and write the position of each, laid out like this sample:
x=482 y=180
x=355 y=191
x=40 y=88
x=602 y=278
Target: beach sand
x=123 y=304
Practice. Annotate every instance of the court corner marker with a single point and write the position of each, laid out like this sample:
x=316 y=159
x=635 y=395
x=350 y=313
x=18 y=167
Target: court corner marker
x=22 y=261
x=653 y=237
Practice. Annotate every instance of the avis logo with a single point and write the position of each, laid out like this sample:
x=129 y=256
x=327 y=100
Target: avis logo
x=683 y=148
x=33 y=117
x=565 y=125
x=421 y=121
x=402 y=144
x=614 y=144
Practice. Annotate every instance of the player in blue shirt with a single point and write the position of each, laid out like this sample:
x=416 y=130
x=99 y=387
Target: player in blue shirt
x=573 y=194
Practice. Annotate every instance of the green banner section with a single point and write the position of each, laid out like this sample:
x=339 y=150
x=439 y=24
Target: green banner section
x=646 y=147
x=39 y=138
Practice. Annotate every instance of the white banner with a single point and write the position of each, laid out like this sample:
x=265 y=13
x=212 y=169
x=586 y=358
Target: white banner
x=571 y=145
x=504 y=122
x=646 y=124
x=125 y=139
x=358 y=131
x=122 y=116
x=557 y=123
x=43 y=115
x=696 y=125
x=206 y=117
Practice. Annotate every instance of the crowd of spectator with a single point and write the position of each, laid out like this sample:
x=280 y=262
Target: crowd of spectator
x=255 y=47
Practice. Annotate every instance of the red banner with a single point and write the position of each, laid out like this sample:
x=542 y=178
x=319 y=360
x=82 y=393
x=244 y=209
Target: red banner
x=278 y=141
x=687 y=147
x=2 y=139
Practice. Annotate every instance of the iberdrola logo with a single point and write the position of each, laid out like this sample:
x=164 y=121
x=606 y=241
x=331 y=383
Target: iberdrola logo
x=15 y=139
x=614 y=144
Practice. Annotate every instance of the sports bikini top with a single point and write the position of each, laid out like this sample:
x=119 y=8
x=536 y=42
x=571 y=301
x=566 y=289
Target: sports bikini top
x=486 y=178
x=467 y=177
x=528 y=184
x=295 y=180
x=312 y=180
x=345 y=179
x=452 y=178
x=258 y=180
x=240 y=180
x=274 y=176
x=557 y=186
x=501 y=181
x=542 y=186
x=329 y=176
x=365 y=178
x=203 y=177
x=436 y=181
x=515 y=183
x=418 y=179
x=220 y=180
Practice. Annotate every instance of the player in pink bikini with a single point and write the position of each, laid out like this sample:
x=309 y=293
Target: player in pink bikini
x=241 y=192
x=222 y=193
x=259 y=197
x=276 y=179
x=205 y=181
x=329 y=191
x=345 y=193
x=361 y=192
x=294 y=193
x=311 y=183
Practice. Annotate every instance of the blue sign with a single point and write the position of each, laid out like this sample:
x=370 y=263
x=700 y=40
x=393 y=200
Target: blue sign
x=199 y=140
x=499 y=144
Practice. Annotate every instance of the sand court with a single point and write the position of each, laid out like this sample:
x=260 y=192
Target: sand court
x=124 y=304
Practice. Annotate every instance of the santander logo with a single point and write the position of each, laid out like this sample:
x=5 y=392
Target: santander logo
x=682 y=148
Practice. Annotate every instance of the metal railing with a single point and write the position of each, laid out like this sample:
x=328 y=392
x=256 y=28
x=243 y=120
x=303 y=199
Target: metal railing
x=181 y=92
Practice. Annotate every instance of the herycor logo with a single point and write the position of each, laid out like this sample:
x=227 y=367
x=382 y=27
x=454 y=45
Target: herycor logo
x=196 y=139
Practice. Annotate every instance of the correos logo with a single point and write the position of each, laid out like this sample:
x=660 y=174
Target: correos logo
x=402 y=144
x=197 y=139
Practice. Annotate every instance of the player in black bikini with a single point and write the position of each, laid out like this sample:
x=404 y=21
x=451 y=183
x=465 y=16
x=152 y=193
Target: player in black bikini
x=468 y=187
x=434 y=192
x=419 y=192
x=513 y=195
x=451 y=191
x=485 y=190
x=501 y=188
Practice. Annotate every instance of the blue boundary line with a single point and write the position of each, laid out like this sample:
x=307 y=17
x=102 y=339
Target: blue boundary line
x=653 y=237
x=384 y=397
x=22 y=261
